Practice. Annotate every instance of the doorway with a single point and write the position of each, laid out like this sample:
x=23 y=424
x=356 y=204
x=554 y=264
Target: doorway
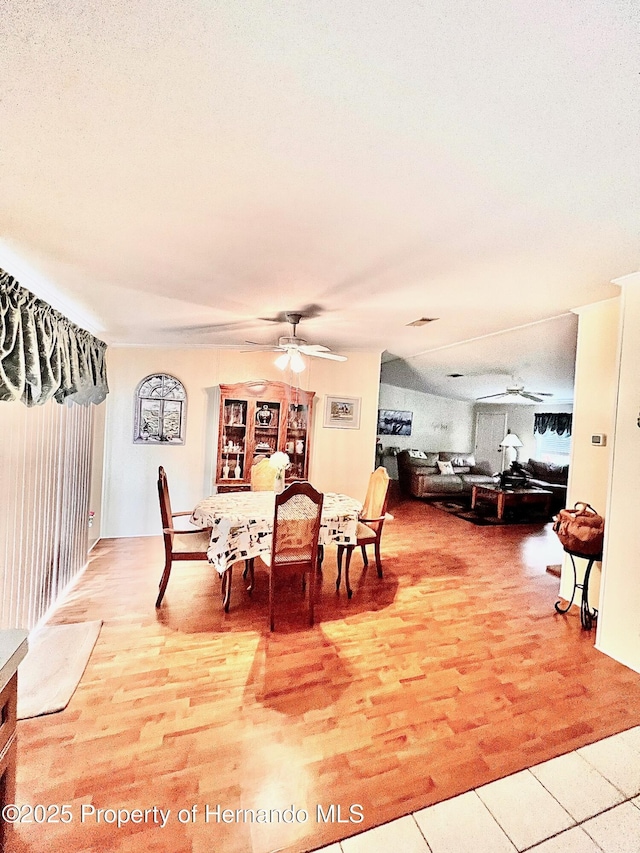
x=491 y=428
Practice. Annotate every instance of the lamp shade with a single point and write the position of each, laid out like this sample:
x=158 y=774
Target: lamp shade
x=511 y=440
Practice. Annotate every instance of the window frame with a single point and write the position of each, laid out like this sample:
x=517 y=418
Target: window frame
x=168 y=389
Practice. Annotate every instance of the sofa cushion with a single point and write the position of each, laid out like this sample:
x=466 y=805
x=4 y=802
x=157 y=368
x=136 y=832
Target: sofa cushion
x=423 y=460
x=549 y=472
x=434 y=484
x=477 y=479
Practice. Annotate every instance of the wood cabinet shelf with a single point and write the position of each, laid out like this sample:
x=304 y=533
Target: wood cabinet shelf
x=262 y=417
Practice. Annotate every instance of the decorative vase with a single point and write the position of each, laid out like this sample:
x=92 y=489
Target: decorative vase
x=225 y=470
x=236 y=470
x=278 y=485
x=264 y=416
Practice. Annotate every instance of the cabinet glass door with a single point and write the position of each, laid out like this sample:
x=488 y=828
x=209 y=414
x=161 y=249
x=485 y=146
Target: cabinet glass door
x=234 y=440
x=266 y=428
x=296 y=440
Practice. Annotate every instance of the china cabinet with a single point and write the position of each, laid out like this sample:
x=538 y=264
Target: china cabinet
x=258 y=419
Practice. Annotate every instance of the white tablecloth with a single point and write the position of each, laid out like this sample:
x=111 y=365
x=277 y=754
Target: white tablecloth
x=242 y=524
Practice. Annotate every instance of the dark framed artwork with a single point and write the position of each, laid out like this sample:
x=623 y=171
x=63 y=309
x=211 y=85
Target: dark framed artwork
x=393 y=422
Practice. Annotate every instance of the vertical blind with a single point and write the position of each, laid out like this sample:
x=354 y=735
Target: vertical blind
x=45 y=473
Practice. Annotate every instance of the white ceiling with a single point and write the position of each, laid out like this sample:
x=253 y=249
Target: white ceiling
x=164 y=166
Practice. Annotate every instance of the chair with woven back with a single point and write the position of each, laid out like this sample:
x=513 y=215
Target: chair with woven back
x=370 y=523
x=178 y=544
x=294 y=548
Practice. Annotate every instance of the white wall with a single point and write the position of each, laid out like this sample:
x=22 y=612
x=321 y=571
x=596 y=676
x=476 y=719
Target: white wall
x=438 y=422
x=341 y=460
x=594 y=412
x=619 y=623
x=520 y=420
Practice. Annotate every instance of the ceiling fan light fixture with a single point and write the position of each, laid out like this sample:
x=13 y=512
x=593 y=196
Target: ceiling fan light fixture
x=297 y=362
x=282 y=361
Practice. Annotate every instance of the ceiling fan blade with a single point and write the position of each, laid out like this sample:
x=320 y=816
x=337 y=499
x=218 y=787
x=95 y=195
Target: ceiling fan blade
x=490 y=396
x=542 y=393
x=264 y=347
x=330 y=355
x=529 y=396
x=311 y=349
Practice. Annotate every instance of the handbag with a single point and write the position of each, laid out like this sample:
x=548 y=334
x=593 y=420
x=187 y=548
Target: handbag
x=580 y=530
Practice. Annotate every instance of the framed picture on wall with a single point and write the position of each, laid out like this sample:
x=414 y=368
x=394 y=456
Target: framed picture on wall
x=342 y=412
x=393 y=422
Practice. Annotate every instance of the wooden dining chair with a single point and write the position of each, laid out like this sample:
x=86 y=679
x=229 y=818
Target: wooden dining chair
x=179 y=544
x=370 y=523
x=294 y=547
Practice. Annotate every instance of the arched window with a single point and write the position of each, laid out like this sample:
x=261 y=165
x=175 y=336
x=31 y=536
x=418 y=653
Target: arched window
x=160 y=415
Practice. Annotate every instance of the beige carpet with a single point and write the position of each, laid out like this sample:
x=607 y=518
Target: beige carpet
x=53 y=667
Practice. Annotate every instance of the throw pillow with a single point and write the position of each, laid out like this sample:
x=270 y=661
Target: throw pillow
x=445 y=467
x=417 y=454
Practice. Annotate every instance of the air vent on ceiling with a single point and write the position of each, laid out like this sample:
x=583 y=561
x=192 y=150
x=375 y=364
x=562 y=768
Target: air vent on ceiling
x=422 y=321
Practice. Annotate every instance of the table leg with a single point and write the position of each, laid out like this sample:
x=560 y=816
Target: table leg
x=587 y=615
x=226 y=589
x=500 y=505
x=474 y=497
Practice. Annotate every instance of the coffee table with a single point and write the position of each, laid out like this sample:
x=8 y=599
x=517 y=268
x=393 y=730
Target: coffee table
x=509 y=498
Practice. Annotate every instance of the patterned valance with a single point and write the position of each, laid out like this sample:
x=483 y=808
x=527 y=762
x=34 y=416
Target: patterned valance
x=559 y=422
x=43 y=355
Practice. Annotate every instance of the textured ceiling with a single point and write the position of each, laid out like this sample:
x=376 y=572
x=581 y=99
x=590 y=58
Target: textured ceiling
x=165 y=166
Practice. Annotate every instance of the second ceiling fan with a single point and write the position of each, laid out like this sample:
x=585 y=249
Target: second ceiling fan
x=519 y=391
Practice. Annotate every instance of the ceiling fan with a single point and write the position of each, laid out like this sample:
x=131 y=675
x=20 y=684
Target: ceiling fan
x=293 y=348
x=519 y=391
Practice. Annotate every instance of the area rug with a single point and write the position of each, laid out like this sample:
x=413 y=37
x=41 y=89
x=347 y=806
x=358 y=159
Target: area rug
x=53 y=667
x=482 y=514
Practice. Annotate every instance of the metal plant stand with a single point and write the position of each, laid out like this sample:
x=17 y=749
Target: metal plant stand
x=588 y=615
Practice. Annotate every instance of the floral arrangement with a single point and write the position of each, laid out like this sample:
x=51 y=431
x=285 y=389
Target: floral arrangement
x=280 y=461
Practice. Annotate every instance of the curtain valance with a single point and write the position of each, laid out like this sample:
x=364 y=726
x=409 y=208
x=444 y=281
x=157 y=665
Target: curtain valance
x=44 y=355
x=559 y=422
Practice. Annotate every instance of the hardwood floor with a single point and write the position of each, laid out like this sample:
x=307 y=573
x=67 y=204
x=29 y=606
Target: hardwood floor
x=452 y=671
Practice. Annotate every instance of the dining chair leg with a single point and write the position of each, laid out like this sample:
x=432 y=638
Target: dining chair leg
x=365 y=559
x=226 y=589
x=378 y=559
x=249 y=569
x=320 y=557
x=340 y=553
x=347 y=563
x=164 y=580
x=312 y=594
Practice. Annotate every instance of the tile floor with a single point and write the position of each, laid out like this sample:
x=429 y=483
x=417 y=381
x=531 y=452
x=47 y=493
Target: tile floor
x=587 y=801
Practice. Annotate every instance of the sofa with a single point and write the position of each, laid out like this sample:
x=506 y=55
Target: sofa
x=419 y=474
x=548 y=475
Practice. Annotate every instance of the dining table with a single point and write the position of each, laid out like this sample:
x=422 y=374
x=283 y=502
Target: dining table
x=242 y=524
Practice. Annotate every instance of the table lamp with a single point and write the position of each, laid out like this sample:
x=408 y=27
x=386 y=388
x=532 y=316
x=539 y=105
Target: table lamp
x=512 y=441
